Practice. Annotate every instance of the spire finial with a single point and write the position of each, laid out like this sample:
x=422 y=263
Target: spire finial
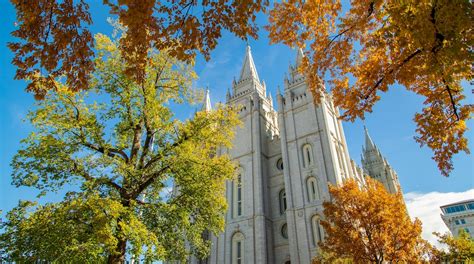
x=299 y=57
x=207 y=101
x=248 y=68
x=369 y=144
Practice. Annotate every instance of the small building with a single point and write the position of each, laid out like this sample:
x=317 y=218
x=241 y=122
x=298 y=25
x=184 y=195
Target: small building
x=458 y=216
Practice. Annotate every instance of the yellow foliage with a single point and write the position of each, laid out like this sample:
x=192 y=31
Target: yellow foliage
x=425 y=46
x=369 y=225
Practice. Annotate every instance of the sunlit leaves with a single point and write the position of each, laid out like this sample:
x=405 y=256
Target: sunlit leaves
x=55 y=38
x=425 y=46
x=460 y=249
x=120 y=146
x=54 y=42
x=369 y=225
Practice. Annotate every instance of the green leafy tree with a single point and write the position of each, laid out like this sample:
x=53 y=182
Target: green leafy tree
x=460 y=248
x=120 y=144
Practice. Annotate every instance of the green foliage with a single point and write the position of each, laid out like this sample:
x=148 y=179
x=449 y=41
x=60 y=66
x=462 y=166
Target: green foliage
x=120 y=143
x=460 y=248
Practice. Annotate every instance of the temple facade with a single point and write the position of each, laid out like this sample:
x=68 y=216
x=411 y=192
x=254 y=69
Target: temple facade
x=287 y=156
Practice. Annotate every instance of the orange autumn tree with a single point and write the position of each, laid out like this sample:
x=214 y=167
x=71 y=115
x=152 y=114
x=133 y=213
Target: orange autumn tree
x=369 y=225
x=55 y=38
x=425 y=46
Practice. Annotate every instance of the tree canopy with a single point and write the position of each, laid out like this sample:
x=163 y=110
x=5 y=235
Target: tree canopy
x=460 y=249
x=366 y=224
x=425 y=46
x=120 y=145
x=56 y=39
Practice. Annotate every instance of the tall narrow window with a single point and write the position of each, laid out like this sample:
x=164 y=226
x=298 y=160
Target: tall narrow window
x=282 y=196
x=238 y=248
x=317 y=229
x=307 y=155
x=313 y=189
x=238 y=196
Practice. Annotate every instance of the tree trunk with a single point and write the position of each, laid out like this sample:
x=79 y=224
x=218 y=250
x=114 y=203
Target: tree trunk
x=119 y=256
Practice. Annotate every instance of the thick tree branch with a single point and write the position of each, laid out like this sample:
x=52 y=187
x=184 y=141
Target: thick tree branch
x=111 y=152
x=136 y=141
x=101 y=180
x=148 y=180
x=379 y=82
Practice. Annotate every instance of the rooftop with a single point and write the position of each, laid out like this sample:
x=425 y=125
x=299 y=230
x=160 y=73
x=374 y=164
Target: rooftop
x=458 y=203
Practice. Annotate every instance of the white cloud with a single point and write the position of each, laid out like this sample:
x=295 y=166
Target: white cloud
x=425 y=206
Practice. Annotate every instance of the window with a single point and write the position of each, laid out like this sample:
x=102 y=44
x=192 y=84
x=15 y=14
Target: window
x=307 y=155
x=317 y=229
x=313 y=189
x=455 y=209
x=238 y=248
x=284 y=231
x=279 y=164
x=282 y=197
x=470 y=206
x=456 y=222
x=462 y=221
x=238 y=196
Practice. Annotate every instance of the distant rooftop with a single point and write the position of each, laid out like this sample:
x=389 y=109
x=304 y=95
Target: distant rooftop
x=458 y=203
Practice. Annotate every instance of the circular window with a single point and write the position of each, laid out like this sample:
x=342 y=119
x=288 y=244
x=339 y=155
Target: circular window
x=284 y=231
x=280 y=164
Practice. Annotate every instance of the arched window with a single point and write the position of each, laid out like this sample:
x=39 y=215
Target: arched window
x=237 y=208
x=279 y=164
x=282 y=197
x=238 y=248
x=307 y=155
x=317 y=229
x=284 y=231
x=313 y=189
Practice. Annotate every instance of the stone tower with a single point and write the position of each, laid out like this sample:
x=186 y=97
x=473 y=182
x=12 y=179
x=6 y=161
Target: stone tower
x=377 y=167
x=286 y=160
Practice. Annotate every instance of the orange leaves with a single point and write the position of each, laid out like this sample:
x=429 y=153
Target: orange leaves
x=418 y=44
x=368 y=224
x=55 y=39
x=54 y=43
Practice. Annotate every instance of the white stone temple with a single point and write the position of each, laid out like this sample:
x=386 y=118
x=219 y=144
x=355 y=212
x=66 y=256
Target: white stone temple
x=287 y=157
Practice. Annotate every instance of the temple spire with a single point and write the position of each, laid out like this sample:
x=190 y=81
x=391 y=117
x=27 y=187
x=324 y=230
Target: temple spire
x=299 y=57
x=369 y=144
x=207 y=102
x=248 y=68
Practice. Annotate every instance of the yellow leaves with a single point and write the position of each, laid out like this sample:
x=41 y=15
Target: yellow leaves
x=421 y=45
x=368 y=224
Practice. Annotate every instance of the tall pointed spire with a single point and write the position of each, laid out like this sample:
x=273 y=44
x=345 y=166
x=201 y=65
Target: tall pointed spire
x=248 y=68
x=299 y=57
x=206 y=106
x=369 y=144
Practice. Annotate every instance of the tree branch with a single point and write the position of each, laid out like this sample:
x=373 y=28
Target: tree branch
x=88 y=177
x=149 y=179
x=111 y=152
x=379 y=82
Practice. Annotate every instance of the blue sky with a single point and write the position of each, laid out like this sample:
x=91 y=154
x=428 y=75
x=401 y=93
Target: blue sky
x=390 y=124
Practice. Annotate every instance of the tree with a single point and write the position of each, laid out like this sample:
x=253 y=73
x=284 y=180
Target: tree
x=425 y=46
x=55 y=37
x=460 y=248
x=367 y=224
x=114 y=151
